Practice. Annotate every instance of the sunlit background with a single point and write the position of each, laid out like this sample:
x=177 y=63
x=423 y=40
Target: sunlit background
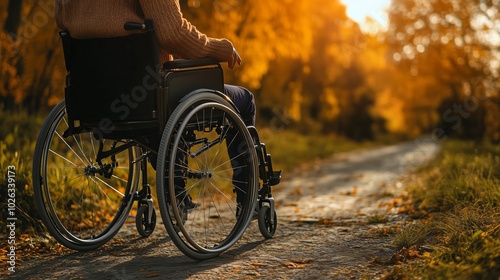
x=328 y=76
x=376 y=10
x=357 y=69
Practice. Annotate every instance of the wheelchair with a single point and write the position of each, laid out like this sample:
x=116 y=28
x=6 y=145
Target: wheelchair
x=121 y=110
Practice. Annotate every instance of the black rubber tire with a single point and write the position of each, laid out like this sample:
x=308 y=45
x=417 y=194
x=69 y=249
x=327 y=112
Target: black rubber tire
x=187 y=229
x=144 y=228
x=63 y=160
x=267 y=229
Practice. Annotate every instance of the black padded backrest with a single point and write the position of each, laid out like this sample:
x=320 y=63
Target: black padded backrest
x=111 y=81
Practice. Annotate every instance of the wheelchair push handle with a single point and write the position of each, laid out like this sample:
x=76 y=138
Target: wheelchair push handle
x=134 y=26
x=147 y=25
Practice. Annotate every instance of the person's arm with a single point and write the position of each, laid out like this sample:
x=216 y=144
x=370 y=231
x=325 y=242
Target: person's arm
x=178 y=36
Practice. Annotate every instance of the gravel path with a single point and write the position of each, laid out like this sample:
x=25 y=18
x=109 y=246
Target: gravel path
x=326 y=211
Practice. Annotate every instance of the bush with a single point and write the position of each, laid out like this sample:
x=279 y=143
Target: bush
x=19 y=132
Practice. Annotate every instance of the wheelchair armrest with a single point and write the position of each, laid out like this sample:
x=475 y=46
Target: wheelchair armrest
x=188 y=63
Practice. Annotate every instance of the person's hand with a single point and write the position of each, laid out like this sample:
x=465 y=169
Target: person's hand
x=235 y=59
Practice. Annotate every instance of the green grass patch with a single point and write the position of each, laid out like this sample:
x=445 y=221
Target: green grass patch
x=290 y=148
x=460 y=190
x=18 y=134
x=377 y=219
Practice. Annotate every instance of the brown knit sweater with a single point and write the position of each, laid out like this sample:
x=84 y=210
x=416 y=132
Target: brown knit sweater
x=105 y=18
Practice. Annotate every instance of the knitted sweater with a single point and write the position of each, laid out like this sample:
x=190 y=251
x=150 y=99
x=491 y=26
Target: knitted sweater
x=105 y=18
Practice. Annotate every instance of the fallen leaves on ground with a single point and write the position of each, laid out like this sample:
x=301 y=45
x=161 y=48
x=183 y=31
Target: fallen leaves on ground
x=297 y=191
x=32 y=246
x=352 y=192
x=256 y=265
x=405 y=254
x=325 y=221
x=297 y=263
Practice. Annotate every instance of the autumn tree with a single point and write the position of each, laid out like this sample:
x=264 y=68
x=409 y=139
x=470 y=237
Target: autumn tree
x=435 y=66
x=336 y=94
x=301 y=58
x=13 y=19
x=261 y=30
x=445 y=53
x=36 y=78
x=11 y=90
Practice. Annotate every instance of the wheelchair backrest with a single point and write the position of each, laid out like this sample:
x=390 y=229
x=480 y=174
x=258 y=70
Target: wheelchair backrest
x=111 y=81
x=116 y=85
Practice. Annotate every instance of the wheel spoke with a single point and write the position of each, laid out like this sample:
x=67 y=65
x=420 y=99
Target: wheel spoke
x=77 y=142
x=109 y=186
x=64 y=158
x=81 y=209
x=67 y=145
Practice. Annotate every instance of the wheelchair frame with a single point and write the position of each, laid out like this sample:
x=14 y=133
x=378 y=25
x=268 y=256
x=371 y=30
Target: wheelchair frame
x=186 y=116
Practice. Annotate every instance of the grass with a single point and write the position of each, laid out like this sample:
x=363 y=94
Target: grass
x=18 y=134
x=289 y=148
x=460 y=191
x=377 y=219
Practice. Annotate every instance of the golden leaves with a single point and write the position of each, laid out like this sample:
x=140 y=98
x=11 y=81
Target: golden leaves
x=352 y=192
x=405 y=254
x=11 y=80
x=399 y=205
x=325 y=221
x=297 y=263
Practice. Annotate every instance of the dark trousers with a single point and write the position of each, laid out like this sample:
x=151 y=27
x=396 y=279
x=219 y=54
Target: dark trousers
x=244 y=101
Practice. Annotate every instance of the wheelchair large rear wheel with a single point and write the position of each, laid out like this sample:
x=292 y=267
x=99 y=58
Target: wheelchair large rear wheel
x=81 y=208
x=207 y=195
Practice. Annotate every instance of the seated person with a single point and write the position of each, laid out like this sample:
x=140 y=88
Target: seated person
x=176 y=37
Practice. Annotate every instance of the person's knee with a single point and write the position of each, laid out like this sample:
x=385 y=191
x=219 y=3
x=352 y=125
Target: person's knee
x=250 y=108
x=244 y=100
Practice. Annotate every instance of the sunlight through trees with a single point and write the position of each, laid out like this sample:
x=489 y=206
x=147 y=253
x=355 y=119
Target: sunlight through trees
x=434 y=70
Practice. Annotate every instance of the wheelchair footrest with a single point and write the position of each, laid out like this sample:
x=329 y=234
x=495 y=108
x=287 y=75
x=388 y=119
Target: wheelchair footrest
x=276 y=178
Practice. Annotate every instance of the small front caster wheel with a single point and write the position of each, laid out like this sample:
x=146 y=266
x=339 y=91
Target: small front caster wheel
x=266 y=227
x=141 y=221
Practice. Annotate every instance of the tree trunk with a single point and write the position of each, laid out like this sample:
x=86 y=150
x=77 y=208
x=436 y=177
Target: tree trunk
x=11 y=25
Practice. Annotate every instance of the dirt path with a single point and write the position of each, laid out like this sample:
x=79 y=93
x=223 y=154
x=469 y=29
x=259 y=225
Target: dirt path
x=323 y=209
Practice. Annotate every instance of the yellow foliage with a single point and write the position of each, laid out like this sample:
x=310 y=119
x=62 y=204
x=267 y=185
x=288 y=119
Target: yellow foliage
x=331 y=104
x=11 y=86
x=308 y=60
x=294 y=111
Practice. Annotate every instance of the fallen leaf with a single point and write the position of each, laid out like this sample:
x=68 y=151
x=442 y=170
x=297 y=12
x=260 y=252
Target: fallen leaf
x=302 y=261
x=325 y=221
x=355 y=190
x=294 y=265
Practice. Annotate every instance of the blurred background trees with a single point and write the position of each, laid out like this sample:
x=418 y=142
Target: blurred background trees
x=447 y=55
x=31 y=49
x=434 y=67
